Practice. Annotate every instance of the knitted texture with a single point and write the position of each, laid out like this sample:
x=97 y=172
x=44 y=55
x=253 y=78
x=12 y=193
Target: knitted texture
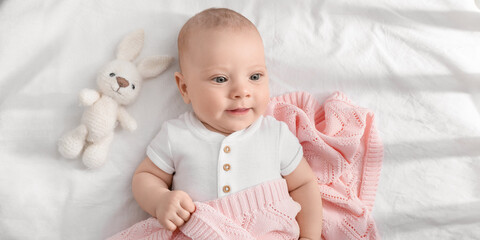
x=265 y=211
x=119 y=82
x=342 y=146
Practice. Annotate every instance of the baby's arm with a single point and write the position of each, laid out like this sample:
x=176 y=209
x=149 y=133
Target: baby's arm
x=303 y=188
x=150 y=187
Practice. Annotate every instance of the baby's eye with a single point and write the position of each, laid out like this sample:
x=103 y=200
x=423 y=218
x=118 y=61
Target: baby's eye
x=112 y=74
x=219 y=79
x=255 y=77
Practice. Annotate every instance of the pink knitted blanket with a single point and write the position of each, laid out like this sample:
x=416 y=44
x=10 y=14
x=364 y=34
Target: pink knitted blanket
x=342 y=146
x=265 y=211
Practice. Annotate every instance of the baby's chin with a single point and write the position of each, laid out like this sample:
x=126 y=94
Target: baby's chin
x=228 y=125
x=235 y=127
x=226 y=129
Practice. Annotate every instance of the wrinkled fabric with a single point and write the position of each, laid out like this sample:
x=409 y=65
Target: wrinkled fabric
x=265 y=211
x=341 y=144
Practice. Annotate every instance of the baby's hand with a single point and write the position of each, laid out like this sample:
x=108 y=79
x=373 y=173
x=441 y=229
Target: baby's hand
x=174 y=209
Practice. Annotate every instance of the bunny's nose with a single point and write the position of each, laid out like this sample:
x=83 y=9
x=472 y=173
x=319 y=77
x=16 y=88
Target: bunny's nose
x=122 y=82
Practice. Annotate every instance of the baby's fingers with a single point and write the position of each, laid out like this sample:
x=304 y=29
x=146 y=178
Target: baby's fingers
x=188 y=204
x=169 y=225
x=177 y=220
x=183 y=214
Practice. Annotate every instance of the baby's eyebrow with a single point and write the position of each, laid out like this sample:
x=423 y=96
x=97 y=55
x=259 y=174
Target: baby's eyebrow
x=221 y=68
x=257 y=66
x=214 y=68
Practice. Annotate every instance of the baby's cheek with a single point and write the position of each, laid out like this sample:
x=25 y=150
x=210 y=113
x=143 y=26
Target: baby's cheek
x=264 y=101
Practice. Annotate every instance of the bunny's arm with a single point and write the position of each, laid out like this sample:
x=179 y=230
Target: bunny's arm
x=88 y=96
x=126 y=120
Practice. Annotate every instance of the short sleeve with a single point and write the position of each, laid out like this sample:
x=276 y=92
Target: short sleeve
x=290 y=150
x=159 y=151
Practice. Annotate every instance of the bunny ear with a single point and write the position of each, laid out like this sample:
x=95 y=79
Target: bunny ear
x=131 y=45
x=153 y=66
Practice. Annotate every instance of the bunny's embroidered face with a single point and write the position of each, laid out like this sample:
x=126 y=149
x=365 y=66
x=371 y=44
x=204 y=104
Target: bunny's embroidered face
x=120 y=80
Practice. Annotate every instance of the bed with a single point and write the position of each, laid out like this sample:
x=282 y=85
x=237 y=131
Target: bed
x=415 y=64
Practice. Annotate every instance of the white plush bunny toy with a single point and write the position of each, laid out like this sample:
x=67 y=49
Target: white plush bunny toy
x=119 y=83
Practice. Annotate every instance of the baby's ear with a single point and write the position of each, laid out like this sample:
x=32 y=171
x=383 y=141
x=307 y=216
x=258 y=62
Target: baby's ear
x=182 y=87
x=131 y=45
x=153 y=66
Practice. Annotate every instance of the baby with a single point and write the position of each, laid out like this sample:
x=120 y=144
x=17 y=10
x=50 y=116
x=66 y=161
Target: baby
x=225 y=145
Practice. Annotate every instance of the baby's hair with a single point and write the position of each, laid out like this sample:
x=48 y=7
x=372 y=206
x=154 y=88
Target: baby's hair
x=212 y=18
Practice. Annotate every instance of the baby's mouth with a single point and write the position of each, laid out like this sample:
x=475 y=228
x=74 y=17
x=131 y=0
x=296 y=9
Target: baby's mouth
x=239 y=111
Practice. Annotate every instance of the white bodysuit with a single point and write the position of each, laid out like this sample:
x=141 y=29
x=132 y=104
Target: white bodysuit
x=208 y=165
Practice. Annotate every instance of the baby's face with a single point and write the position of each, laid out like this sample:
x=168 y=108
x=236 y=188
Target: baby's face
x=225 y=78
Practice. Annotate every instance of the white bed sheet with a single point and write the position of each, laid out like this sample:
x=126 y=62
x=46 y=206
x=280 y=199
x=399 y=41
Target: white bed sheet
x=415 y=63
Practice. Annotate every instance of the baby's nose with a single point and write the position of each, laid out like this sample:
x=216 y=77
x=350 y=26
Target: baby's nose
x=240 y=91
x=122 y=82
